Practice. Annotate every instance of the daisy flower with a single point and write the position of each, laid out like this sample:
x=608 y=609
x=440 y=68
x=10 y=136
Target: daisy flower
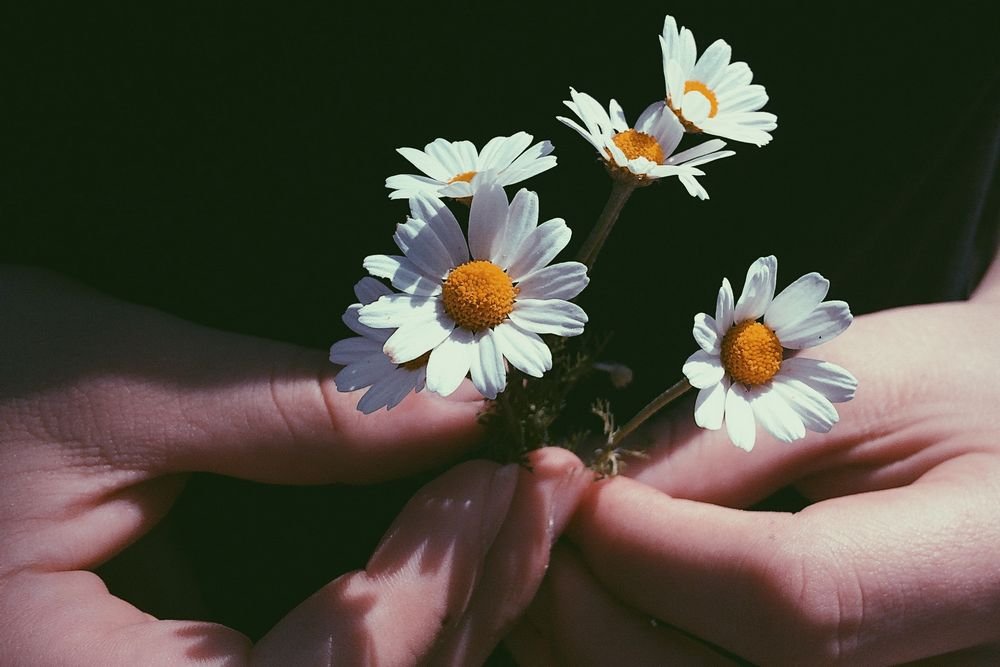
x=645 y=152
x=456 y=169
x=365 y=365
x=745 y=369
x=711 y=94
x=472 y=305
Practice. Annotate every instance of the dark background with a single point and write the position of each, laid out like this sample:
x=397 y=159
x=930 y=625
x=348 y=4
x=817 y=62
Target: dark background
x=227 y=165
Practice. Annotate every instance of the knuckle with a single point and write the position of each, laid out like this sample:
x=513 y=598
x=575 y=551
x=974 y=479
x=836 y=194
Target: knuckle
x=818 y=598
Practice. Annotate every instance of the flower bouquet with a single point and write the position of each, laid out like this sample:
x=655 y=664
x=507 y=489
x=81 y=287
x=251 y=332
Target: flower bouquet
x=477 y=293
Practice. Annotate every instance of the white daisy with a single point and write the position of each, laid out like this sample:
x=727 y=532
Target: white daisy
x=711 y=94
x=456 y=169
x=644 y=152
x=473 y=310
x=365 y=365
x=743 y=371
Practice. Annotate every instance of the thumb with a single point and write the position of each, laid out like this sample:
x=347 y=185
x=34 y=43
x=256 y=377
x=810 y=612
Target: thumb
x=700 y=464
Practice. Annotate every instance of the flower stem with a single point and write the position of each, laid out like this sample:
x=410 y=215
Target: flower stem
x=621 y=190
x=671 y=394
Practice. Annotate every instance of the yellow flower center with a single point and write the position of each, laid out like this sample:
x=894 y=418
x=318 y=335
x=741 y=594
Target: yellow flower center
x=464 y=177
x=751 y=353
x=418 y=363
x=639 y=144
x=478 y=295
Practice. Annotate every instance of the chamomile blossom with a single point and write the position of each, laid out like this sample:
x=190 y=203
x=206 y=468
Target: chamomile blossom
x=711 y=94
x=457 y=169
x=474 y=304
x=365 y=365
x=746 y=370
x=644 y=152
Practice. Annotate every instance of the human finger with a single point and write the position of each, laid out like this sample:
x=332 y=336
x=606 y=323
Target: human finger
x=900 y=424
x=142 y=390
x=842 y=580
x=460 y=563
x=70 y=618
x=574 y=621
x=548 y=492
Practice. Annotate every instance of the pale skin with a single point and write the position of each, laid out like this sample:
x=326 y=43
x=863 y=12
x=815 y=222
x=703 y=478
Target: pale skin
x=896 y=561
x=104 y=408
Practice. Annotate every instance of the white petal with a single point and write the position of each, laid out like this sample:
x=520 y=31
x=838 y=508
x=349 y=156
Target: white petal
x=775 y=415
x=724 y=308
x=668 y=131
x=557 y=281
x=706 y=333
x=450 y=361
x=487 y=220
x=747 y=98
x=532 y=162
x=351 y=350
x=703 y=369
x=412 y=340
x=522 y=219
x=467 y=156
x=506 y=152
x=673 y=74
x=592 y=112
x=387 y=392
x=489 y=152
x=835 y=383
x=404 y=274
x=736 y=76
x=525 y=350
x=458 y=189
x=686 y=51
x=815 y=410
x=549 y=316
x=701 y=150
x=439 y=218
x=647 y=119
x=618 y=122
x=730 y=128
x=487 y=371
x=405 y=186
x=395 y=310
x=446 y=154
x=425 y=163
x=822 y=325
x=539 y=248
x=796 y=301
x=758 y=289
x=421 y=245
x=363 y=373
x=711 y=66
x=740 y=424
x=351 y=319
x=710 y=406
x=695 y=107
x=368 y=290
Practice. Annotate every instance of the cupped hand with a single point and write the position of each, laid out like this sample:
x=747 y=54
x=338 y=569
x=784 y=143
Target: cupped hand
x=104 y=406
x=895 y=561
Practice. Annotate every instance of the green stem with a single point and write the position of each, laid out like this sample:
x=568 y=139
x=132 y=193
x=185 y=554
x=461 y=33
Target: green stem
x=621 y=190
x=671 y=394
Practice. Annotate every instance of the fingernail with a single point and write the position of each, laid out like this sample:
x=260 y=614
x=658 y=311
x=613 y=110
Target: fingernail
x=563 y=501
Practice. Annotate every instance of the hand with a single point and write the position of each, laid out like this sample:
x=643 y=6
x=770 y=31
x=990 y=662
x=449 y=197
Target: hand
x=104 y=407
x=895 y=562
